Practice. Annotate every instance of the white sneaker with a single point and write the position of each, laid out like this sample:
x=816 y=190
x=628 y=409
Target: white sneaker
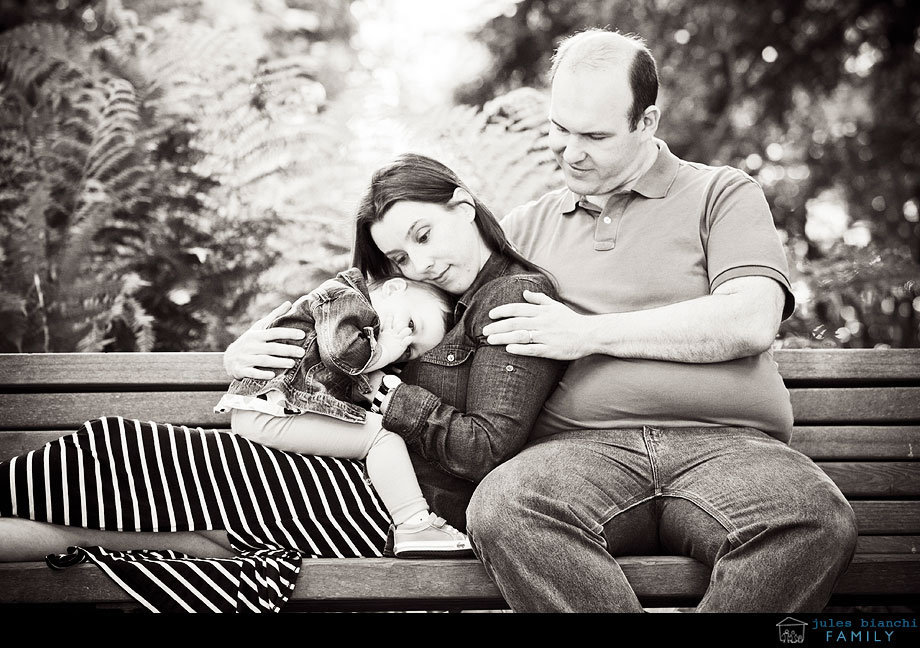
x=433 y=538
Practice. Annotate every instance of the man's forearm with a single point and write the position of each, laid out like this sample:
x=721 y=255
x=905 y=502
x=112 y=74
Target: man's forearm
x=714 y=328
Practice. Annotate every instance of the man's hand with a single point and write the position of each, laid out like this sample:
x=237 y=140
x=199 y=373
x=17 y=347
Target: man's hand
x=540 y=327
x=257 y=348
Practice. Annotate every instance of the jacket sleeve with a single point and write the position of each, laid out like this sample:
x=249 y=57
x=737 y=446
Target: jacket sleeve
x=345 y=332
x=505 y=394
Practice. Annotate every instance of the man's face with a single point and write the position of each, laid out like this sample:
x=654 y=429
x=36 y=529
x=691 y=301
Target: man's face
x=589 y=129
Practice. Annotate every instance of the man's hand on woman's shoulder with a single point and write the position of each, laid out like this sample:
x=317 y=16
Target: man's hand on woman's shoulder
x=256 y=351
x=541 y=327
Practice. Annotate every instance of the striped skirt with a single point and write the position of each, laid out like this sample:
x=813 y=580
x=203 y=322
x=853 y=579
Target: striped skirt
x=126 y=475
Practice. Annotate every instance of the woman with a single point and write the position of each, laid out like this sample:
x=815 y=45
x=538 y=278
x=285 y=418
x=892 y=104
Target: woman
x=465 y=406
x=462 y=409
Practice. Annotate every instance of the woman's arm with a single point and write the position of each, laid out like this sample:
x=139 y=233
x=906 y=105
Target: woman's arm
x=257 y=348
x=505 y=394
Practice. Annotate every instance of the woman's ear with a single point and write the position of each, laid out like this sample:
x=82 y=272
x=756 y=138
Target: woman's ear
x=463 y=201
x=394 y=286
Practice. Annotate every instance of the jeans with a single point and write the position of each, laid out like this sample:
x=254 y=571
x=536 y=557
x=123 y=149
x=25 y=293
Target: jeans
x=775 y=530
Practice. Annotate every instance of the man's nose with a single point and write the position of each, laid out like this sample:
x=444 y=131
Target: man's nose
x=573 y=152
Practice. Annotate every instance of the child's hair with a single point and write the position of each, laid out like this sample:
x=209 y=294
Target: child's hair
x=445 y=299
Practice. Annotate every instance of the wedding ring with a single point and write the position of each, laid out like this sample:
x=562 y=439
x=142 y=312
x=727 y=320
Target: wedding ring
x=530 y=333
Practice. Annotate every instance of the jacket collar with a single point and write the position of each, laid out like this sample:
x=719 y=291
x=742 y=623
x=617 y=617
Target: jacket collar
x=495 y=266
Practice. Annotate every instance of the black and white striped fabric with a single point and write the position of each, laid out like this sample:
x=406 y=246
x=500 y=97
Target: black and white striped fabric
x=126 y=475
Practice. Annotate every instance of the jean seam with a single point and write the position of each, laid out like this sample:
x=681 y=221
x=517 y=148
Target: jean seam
x=704 y=504
x=619 y=510
x=652 y=456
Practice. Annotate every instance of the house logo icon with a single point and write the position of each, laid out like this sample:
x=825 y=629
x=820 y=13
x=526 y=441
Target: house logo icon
x=791 y=631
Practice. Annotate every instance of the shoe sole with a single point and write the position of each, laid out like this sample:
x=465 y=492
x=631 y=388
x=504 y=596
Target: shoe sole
x=428 y=547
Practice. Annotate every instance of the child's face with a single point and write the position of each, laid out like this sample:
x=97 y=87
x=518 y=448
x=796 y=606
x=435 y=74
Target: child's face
x=419 y=310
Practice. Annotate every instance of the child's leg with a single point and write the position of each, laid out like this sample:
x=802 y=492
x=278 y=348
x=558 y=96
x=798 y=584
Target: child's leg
x=418 y=532
x=388 y=464
x=308 y=433
x=391 y=473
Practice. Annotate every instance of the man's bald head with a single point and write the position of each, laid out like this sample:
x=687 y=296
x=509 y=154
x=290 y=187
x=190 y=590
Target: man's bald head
x=601 y=49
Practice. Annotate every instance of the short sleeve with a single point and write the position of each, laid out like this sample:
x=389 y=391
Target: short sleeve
x=741 y=238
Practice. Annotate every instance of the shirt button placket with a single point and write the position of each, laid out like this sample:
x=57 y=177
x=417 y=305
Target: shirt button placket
x=605 y=226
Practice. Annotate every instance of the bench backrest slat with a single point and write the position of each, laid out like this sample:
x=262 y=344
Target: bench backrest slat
x=206 y=368
x=68 y=410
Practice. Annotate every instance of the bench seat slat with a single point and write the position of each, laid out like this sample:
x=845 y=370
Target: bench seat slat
x=854 y=478
x=875 y=478
x=841 y=442
x=909 y=544
x=68 y=411
x=387 y=579
x=856 y=405
x=835 y=443
x=880 y=517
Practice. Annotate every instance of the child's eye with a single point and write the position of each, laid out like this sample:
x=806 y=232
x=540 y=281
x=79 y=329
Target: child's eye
x=411 y=325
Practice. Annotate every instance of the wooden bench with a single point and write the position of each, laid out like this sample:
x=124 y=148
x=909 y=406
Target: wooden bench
x=857 y=415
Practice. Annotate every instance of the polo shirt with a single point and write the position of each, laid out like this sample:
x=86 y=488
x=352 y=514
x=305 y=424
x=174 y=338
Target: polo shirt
x=682 y=230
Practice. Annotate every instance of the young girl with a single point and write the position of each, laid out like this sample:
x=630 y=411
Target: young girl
x=351 y=330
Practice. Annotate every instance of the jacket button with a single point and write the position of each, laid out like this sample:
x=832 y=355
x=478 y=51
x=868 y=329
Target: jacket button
x=450 y=357
x=509 y=368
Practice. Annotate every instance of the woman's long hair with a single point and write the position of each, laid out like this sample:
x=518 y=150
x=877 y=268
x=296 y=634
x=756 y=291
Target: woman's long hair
x=418 y=178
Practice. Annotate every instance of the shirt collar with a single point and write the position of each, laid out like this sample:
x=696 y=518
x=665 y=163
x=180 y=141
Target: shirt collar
x=495 y=266
x=654 y=183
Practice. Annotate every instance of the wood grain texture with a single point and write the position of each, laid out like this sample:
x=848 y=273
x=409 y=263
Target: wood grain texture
x=849 y=405
x=849 y=364
x=834 y=443
x=864 y=437
x=903 y=544
x=841 y=442
x=875 y=478
x=68 y=411
x=23 y=369
x=423 y=581
x=880 y=517
x=206 y=368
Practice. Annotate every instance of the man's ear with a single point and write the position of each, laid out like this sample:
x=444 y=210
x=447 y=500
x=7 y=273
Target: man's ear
x=649 y=121
x=463 y=201
x=394 y=286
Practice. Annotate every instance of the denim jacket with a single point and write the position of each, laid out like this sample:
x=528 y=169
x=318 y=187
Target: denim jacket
x=471 y=405
x=341 y=328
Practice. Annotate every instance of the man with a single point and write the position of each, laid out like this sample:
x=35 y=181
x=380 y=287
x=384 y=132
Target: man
x=668 y=431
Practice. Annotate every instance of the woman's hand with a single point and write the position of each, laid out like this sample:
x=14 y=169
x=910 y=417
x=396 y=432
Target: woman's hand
x=257 y=348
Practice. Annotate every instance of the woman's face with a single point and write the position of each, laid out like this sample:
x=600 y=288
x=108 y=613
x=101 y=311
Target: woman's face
x=433 y=243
